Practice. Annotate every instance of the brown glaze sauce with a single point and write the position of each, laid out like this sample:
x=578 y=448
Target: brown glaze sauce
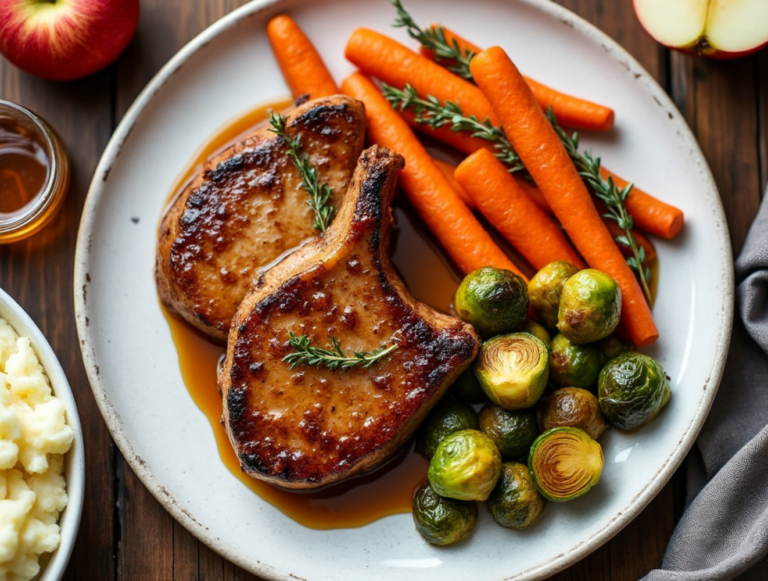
x=359 y=501
x=430 y=278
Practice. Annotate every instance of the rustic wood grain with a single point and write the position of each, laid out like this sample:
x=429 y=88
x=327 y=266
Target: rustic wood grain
x=38 y=272
x=125 y=533
x=719 y=99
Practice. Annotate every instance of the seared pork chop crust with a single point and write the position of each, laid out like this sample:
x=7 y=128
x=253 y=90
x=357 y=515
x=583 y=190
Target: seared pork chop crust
x=308 y=427
x=246 y=208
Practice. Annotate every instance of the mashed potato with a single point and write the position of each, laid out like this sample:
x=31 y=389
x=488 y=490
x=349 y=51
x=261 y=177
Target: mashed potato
x=33 y=437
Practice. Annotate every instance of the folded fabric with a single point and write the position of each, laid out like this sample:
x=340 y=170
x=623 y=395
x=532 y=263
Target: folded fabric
x=723 y=534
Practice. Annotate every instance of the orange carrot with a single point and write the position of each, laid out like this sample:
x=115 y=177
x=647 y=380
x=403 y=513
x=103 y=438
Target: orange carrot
x=397 y=65
x=441 y=208
x=460 y=140
x=548 y=162
x=303 y=68
x=648 y=213
x=386 y=59
x=569 y=111
x=501 y=200
x=447 y=169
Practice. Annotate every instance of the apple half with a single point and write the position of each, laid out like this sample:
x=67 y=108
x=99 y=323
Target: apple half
x=714 y=28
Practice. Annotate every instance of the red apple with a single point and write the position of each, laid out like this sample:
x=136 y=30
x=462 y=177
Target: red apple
x=714 y=28
x=65 y=39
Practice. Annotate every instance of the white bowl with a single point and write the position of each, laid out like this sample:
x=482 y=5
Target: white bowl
x=54 y=565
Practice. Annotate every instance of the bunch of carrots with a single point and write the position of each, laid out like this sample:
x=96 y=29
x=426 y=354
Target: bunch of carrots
x=547 y=216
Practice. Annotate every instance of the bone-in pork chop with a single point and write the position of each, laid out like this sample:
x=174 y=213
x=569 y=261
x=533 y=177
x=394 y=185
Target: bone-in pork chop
x=307 y=427
x=246 y=208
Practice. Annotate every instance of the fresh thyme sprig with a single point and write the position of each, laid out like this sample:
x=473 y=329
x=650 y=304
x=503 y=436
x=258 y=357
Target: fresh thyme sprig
x=334 y=358
x=612 y=196
x=450 y=53
x=432 y=112
x=319 y=193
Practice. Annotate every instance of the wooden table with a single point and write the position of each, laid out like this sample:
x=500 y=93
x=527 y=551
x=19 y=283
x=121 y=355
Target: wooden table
x=125 y=534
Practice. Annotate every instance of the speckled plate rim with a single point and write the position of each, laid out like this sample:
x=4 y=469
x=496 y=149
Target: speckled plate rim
x=54 y=566
x=144 y=472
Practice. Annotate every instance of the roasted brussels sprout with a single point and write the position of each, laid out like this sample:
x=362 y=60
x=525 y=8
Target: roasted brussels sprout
x=565 y=463
x=513 y=370
x=512 y=432
x=448 y=417
x=611 y=347
x=545 y=287
x=574 y=365
x=590 y=306
x=538 y=331
x=465 y=466
x=571 y=407
x=467 y=388
x=632 y=389
x=442 y=521
x=493 y=300
x=515 y=503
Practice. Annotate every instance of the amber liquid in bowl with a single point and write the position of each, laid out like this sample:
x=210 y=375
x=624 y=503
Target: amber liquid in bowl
x=24 y=170
x=34 y=173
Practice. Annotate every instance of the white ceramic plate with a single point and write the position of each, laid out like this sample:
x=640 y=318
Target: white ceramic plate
x=133 y=366
x=54 y=565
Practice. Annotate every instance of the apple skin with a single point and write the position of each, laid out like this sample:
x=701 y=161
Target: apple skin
x=700 y=47
x=716 y=54
x=62 y=40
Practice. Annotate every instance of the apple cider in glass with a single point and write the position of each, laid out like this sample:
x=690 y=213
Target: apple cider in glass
x=34 y=173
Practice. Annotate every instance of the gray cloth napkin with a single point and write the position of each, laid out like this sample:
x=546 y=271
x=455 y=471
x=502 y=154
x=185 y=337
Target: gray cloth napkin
x=723 y=533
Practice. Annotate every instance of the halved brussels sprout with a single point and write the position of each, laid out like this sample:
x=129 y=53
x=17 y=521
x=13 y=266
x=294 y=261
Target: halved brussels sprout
x=565 y=463
x=632 y=390
x=467 y=388
x=492 y=300
x=572 y=407
x=590 y=306
x=611 y=347
x=573 y=365
x=513 y=370
x=515 y=503
x=465 y=466
x=545 y=287
x=538 y=331
x=512 y=432
x=442 y=521
x=448 y=417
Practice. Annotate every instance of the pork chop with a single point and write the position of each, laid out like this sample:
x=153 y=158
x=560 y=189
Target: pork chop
x=246 y=208
x=308 y=427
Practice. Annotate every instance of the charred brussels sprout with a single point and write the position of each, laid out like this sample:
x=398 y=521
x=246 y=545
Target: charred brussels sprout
x=590 y=306
x=611 y=347
x=512 y=432
x=573 y=365
x=465 y=466
x=442 y=521
x=493 y=300
x=545 y=288
x=632 y=390
x=513 y=370
x=537 y=331
x=467 y=388
x=565 y=463
x=447 y=418
x=572 y=407
x=515 y=503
